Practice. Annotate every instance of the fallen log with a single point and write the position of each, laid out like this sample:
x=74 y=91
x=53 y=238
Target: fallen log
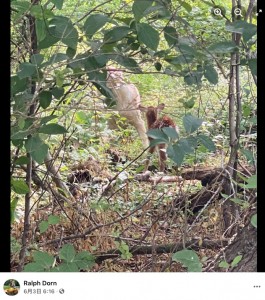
x=146 y=176
x=195 y=244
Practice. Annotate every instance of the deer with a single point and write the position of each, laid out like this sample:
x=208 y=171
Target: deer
x=153 y=122
x=128 y=100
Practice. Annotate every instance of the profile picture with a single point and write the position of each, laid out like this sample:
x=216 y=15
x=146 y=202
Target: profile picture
x=11 y=287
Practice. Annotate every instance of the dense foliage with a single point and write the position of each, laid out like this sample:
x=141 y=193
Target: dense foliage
x=177 y=52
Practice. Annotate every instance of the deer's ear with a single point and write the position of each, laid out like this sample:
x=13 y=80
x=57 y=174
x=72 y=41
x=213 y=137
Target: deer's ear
x=142 y=108
x=161 y=106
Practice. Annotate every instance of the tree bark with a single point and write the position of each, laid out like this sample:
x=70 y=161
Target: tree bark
x=245 y=244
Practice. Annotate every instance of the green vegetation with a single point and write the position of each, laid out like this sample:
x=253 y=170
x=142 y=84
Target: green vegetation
x=75 y=180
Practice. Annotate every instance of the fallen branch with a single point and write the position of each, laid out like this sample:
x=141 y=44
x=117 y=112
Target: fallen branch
x=146 y=176
x=195 y=245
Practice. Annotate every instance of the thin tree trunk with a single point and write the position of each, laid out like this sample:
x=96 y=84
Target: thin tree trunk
x=33 y=50
x=235 y=112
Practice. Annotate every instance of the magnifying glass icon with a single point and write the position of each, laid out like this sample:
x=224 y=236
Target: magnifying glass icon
x=217 y=12
x=237 y=12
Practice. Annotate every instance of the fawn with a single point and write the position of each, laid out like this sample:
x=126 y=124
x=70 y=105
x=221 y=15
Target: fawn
x=153 y=122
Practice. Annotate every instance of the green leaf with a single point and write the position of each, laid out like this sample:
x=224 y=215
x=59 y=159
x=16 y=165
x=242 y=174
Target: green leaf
x=170 y=35
x=47 y=119
x=254 y=220
x=162 y=53
x=157 y=142
x=46 y=37
x=37 y=11
x=67 y=253
x=193 y=78
x=59 y=77
x=158 y=134
x=57 y=92
x=223 y=47
x=19 y=186
x=13 y=209
x=206 y=142
x=81 y=117
x=170 y=132
x=251 y=182
x=43 y=258
x=252 y=63
x=99 y=80
x=192 y=141
x=52 y=129
x=17 y=85
x=22 y=160
x=176 y=153
x=104 y=90
x=126 y=62
x=43 y=226
x=94 y=62
x=185 y=145
x=243 y=203
x=189 y=259
x=37 y=148
x=20 y=135
x=187 y=50
x=58 y=3
x=139 y=7
x=236 y=260
x=183 y=21
x=181 y=59
x=21 y=7
x=210 y=74
x=224 y=264
x=186 y=6
x=246 y=109
x=34 y=267
x=246 y=29
x=64 y=30
x=93 y=23
x=126 y=255
x=70 y=52
x=191 y=123
x=158 y=66
x=148 y=35
x=55 y=58
x=68 y=267
x=45 y=99
x=189 y=103
x=84 y=260
x=158 y=12
x=53 y=220
x=26 y=70
x=116 y=34
x=249 y=155
x=41 y=31
x=36 y=59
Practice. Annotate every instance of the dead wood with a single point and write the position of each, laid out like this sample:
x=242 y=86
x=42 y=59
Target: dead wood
x=195 y=245
x=146 y=176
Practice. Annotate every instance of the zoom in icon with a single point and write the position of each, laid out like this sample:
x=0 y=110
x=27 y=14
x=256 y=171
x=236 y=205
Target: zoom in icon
x=218 y=12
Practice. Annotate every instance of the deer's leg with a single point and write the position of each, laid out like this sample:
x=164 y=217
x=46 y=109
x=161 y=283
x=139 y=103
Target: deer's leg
x=162 y=157
x=135 y=120
x=147 y=161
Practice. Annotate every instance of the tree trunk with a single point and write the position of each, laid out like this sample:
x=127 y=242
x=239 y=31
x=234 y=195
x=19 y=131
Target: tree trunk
x=245 y=244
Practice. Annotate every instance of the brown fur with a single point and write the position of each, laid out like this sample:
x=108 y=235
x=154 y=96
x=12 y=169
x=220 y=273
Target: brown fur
x=153 y=122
